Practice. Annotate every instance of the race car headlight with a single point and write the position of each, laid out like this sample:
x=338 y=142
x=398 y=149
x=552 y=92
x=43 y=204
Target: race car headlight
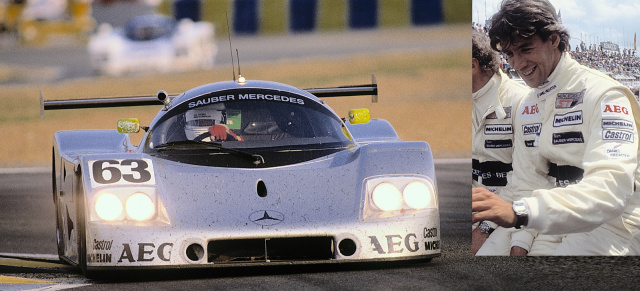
x=108 y=206
x=386 y=197
x=398 y=196
x=417 y=194
x=138 y=206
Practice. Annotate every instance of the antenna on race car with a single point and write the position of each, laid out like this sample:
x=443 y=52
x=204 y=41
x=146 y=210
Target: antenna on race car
x=230 y=49
x=241 y=79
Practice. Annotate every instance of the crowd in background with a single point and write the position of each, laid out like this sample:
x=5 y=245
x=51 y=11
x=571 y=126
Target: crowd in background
x=609 y=61
x=625 y=62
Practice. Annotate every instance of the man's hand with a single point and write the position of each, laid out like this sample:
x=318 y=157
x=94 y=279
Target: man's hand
x=488 y=206
x=477 y=239
x=219 y=132
x=518 y=251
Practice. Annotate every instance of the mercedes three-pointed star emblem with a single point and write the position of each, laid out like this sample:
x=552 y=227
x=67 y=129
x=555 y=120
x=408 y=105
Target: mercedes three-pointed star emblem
x=266 y=217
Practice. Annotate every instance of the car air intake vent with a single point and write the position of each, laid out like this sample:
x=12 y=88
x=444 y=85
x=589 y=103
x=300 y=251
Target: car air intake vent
x=274 y=249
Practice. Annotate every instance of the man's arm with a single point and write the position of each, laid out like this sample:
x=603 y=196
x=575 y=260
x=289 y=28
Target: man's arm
x=486 y=205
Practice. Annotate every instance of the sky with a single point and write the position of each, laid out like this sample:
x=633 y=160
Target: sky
x=590 y=21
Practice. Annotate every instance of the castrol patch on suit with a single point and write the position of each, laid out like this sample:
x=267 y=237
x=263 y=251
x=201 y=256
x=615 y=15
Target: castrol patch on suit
x=621 y=135
x=533 y=128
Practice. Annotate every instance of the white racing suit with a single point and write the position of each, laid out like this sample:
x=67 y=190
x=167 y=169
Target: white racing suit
x=492 y=119
x=588 y=142
x=532 y=173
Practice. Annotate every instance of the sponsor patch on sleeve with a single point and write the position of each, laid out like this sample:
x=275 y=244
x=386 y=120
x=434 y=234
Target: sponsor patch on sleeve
x=533 y=128
x=498 y=129
x=498 y=144
x=569 y=100
x=617 y=124
x=622 y=135
x=571 y=118
x=507 y=111
x=567 y=137
x=529 y=110
x=614 y=109
x=615 y=151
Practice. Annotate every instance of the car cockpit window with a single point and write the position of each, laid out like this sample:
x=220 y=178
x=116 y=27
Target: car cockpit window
x=267 y=122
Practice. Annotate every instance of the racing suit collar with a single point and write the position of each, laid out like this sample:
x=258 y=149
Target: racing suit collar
x=550 y=85
x=486 y=100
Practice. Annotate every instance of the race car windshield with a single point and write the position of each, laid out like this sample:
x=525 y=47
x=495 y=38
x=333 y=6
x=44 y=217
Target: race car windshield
x=149 y=27
x=256 y=159
x=255 y=125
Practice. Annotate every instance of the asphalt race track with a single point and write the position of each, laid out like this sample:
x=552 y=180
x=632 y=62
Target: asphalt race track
x=28 y=233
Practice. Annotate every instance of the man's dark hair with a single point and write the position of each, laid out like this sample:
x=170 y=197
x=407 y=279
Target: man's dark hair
x=524 y=19
x=487 y=57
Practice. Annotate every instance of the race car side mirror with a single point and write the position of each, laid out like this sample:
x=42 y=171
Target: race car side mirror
x=128 y=125
x=357 y=116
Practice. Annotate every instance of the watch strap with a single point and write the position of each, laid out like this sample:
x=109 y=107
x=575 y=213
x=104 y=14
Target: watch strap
x=522 y=213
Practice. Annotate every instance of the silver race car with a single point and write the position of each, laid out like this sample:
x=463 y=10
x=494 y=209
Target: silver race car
x=150 y=43
x=241 y=173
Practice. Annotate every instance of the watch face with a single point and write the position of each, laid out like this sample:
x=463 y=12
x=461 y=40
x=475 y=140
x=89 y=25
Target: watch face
x=519 y=208
x=485 y=227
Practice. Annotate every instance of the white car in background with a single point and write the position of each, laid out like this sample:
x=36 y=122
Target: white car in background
x=152 y=43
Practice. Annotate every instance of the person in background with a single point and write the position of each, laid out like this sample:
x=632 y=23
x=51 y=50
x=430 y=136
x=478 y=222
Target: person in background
x=494 y=98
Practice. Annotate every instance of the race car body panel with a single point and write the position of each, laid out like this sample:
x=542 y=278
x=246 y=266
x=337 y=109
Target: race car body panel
x=289 y=182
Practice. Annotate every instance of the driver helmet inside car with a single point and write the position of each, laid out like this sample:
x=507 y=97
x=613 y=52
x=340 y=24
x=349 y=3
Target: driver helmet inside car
x=198 y=120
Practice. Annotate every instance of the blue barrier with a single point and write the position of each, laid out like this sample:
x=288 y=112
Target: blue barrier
x=426 y=12
x=245 y=20
x=306 y=15
x=363 y=14
x=303 y=15
x=187 y=9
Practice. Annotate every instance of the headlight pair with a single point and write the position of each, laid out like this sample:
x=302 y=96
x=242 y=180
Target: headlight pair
x=397 y=196
x=119 y=204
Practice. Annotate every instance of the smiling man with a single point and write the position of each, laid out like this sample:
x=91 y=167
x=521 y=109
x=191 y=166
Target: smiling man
x=577 y=128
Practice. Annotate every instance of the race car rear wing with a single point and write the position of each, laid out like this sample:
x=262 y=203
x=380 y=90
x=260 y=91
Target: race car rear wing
x=163 y=98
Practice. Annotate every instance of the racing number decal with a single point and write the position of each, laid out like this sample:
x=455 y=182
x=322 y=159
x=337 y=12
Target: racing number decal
x=145 y=175
x=114 y=173
x=105 y=172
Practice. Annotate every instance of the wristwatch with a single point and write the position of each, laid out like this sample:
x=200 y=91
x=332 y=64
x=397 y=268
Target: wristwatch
x=522 y=213
x=485 y=227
